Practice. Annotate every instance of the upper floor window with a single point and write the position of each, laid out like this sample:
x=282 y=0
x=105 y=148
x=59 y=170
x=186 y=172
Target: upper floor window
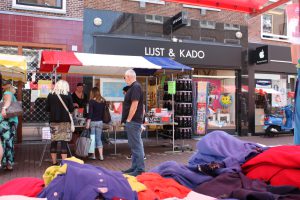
x=53 y=6
x=208 y=39
x=274 y=25
x=208 y=24
x=154 y=19
x=232 y=27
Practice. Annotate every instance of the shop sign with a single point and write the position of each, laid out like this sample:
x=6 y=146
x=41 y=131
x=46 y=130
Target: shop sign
x=262 y=55
x=177 y=21
x=171 y=87
x=263 y=83
x=183 y=53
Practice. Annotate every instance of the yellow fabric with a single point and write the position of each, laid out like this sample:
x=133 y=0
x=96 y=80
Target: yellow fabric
x=13 y=67
x=134 y=184
x=74 y=159
x=53 y=171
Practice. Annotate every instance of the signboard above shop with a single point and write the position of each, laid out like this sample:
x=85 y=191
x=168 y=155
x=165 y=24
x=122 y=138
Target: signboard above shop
x=262 y=55
x=185 y=53
x=175 y=22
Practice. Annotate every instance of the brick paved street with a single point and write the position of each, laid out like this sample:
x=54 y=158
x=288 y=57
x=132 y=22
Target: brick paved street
x=28 y=155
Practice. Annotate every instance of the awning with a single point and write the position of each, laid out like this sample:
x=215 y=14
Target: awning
x=102 y=64
x=253 y=7
x=13 y=67
x=260 y=90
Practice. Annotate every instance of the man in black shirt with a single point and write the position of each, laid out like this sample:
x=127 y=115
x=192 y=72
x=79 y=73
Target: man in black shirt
x=132 y=116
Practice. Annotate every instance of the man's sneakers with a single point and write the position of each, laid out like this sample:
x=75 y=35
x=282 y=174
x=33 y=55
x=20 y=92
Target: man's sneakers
x=130 y=157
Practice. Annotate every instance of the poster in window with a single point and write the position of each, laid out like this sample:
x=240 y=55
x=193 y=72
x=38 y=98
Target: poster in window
x=267 y=23
x=112 y=89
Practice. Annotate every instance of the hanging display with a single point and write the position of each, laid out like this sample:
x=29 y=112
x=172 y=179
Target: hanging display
x=202 y=103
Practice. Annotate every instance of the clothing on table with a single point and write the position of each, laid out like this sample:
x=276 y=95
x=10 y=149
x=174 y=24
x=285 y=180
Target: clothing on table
x=27 y=186
x=81 y=101
x=181 y=173
x=161 y=187
x=219 y=146
x=83 y=181
x=8 y=130
x=134 y=93
x=277 y=166
x=238 y=186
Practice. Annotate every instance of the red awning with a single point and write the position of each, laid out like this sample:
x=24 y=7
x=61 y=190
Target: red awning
x=247 y=6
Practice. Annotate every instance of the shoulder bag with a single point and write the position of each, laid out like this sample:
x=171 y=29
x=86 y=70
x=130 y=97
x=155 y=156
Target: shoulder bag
x=70 y=115
x=106 y=115
x=15 y=109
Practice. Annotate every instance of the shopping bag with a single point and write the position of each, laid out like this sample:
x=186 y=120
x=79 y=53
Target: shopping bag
x=93 y=144
x=15 y=109
x=83 y=144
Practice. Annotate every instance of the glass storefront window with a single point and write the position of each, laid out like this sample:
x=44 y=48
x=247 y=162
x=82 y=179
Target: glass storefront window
x=222 y=103
x=272 y=92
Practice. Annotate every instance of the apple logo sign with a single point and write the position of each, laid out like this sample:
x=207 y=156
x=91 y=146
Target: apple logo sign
x=261 y=54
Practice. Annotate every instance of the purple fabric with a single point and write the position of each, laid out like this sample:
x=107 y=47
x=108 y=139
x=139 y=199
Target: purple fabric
x=218 y=146
x=181 y=174
x=82 y=181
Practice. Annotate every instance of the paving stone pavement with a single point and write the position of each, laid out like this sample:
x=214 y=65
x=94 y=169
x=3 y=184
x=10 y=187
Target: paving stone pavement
x=27 y=155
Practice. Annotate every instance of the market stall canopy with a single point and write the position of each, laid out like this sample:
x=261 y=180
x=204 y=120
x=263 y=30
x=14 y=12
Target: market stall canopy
x=92 y=64
x=247 y=6
x=13 y=67
x=260 y=90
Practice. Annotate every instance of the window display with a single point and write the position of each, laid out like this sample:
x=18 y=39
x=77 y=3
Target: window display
x=221 y=98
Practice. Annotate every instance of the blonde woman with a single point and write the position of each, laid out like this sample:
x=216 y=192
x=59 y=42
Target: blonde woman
x=95 y=120
x=8 y=127
x=60 y=123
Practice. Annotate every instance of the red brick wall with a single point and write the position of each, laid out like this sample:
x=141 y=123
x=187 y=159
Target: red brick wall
x=254 y=33
x=74 y=9
x=169 y=9
x=16 y=28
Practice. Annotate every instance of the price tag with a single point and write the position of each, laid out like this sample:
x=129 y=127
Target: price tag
x=171 y=87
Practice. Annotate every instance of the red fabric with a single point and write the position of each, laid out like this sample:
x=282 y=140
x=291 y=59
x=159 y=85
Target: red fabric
x=248 y=6
x=49 y=60
x=277 y=165
x=25 y=186
x=160 y=188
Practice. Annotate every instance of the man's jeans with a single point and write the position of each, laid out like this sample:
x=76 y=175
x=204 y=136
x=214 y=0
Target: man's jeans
x=134 y=134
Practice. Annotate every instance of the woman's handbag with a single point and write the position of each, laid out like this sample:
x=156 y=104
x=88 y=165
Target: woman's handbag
x=83 y=144
x=70 y=115
x=15 y=109
x=106 y=116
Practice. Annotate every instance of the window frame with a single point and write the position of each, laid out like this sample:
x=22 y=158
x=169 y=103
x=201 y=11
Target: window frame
x=153 y=20
x=271 y=36
x=207 y=26
x=50 y=9
x=231 y=27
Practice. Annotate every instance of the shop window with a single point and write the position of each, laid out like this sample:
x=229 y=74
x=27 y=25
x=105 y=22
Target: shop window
x=154 y=19
x=54 y=6
x=232 y=27
x=274 y=25
x=232 y=41
x=207 y=39
x=208 y=24
x=221 y=97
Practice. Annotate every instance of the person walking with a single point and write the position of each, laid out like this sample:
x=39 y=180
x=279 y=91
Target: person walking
x=95 y=121
x=60 y=123
x=8 y=127
x=132 y=116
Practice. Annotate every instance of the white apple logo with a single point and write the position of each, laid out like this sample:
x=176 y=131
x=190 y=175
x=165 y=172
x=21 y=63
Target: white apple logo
x=262 y=54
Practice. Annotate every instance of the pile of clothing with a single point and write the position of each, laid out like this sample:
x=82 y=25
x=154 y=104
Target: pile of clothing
x=223 y=167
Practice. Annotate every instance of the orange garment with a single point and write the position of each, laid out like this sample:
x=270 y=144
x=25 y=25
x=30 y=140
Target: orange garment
x=161 y=187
